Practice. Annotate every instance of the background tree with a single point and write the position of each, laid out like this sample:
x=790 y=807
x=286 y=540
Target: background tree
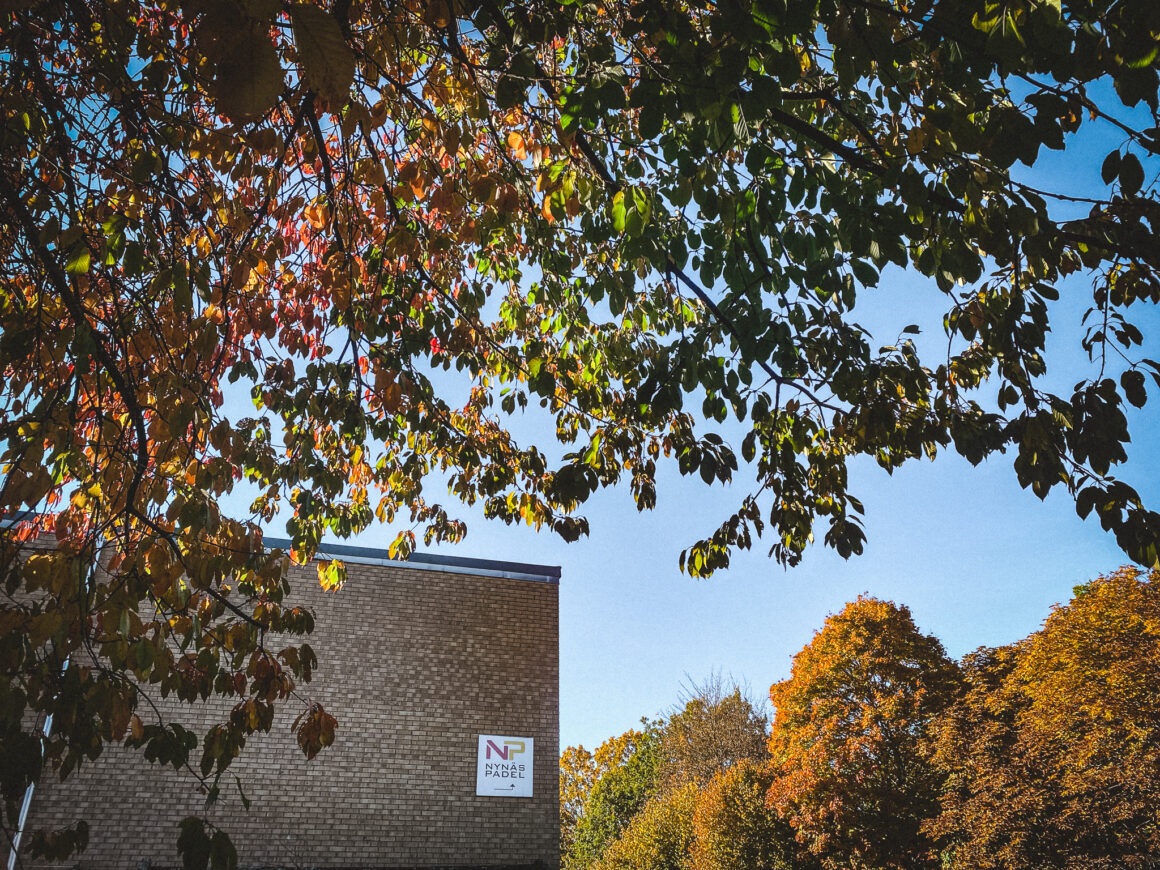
x=886 y=754
x=717 y=728
x=735 y=829
x=618 y=795
x=600 y=208
x=577 y=776
x=849 y=771
x=714 y=730
x=658 y=837
x=580 y=770
x=1052 y=753
x=994 y=803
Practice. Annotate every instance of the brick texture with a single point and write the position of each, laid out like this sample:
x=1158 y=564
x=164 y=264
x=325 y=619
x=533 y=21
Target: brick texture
x=414 y=664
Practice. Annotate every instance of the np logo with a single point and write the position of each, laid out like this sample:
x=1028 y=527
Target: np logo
x=510 y=749
x=503 y=766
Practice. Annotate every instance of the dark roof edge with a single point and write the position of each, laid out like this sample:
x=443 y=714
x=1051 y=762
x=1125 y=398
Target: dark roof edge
x=431 y=562
x=417 y=561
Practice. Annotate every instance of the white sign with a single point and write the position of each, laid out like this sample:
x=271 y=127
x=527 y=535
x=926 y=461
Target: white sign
x=503 y=767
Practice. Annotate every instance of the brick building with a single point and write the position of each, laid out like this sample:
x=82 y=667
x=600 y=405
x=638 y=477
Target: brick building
x=420 y=661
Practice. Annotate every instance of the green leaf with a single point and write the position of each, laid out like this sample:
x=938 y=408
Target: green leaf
x=650 y=122
x=222 y=854
x=633 y=223
x=241 y=792
x=511 y=91
x=249 y=78
x=1111 y=167
x=1131 y=174
x=133 y=259
x=193 y=844
x=1133 y=385
x=618 y=211
x=1144 y=60
x=865 y=273
x=79 y=261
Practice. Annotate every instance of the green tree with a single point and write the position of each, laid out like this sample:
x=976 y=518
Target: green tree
x=581 y=770
x=1052 y=754
x=850 y=771
x=603 y=209
x=620 y=793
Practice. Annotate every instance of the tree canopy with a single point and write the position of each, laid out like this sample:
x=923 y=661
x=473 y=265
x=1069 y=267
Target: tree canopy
x=649 y=219
x=847 y=742
x=734 y=826
x=1052 y=751
x=883 y=753
x=635 y=801
x=625 y=778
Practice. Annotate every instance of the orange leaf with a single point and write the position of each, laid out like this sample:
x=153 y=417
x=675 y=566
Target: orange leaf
x=517 y=144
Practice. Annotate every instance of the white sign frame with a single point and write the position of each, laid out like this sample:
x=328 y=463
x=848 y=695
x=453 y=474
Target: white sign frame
x=503 y=766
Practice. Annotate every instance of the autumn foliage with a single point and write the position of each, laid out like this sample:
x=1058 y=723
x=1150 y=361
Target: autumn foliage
x=734 y=824
x=646 y=807
x=285 y=263
x=885 y=753
x=1054 y=749
x=847 y=738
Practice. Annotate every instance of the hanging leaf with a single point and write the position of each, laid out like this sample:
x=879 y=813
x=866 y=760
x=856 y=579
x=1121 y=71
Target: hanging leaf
x=327 y=61
x=332 y=575
x=1131 y=174
x=249 y=78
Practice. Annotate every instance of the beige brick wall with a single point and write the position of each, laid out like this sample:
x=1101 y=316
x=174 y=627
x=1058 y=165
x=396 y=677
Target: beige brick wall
x=414 y=664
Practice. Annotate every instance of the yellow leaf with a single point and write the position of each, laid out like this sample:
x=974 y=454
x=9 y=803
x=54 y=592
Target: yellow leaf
x=317 y=215
x=331 y=575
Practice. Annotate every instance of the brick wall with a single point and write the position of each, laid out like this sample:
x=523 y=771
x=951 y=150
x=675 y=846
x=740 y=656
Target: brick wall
x=414 y=664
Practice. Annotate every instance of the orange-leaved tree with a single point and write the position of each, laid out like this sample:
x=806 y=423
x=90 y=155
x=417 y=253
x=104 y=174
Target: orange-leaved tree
x=850 y=774
x=1053 y=753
